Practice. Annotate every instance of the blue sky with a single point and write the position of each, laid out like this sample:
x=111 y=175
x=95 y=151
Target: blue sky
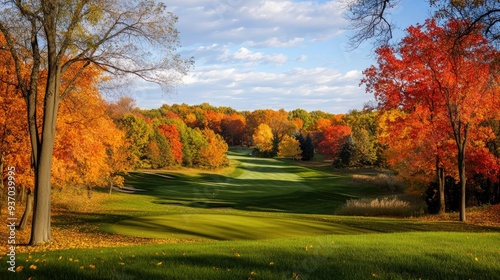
x=279 y=54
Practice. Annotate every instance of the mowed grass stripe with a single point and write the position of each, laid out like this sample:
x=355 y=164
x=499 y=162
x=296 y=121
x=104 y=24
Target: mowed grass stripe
x=227 y=227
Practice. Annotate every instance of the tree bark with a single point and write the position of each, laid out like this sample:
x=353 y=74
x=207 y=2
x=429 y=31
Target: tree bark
x=27 y=211
x=440 y=181
x=463 y=182
x=40 y=232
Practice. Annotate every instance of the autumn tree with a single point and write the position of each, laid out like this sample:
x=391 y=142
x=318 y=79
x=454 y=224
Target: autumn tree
x=213 y=120
x=334 y=136
x=289 y=147
x=138 y=133
x=124 y=105
x=457 y=78
x=302 y=115
x=55 y=36
x=277 y=121
x=233 y=128
x=263 y=138
x=171 y=133
x=193 y=141
x=87 y=137
x=14 y=149
x=214 y=153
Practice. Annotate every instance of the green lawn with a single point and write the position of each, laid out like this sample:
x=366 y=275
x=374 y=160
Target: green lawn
x=416 y=255
x=265 y=219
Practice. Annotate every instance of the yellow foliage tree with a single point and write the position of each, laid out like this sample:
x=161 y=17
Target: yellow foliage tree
x=263 y=138
x=289 y=147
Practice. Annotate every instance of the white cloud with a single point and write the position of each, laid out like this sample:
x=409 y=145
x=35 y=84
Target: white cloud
x=216 y=54
x=248 y=56
x=263 y=23
x=310 y=89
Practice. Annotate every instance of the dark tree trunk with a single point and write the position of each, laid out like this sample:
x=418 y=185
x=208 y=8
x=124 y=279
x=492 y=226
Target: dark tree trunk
x=463 y=182
x=89 y=192
x=442 y=199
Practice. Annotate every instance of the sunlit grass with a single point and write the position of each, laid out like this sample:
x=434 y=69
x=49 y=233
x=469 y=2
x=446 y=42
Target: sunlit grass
x=438 y=255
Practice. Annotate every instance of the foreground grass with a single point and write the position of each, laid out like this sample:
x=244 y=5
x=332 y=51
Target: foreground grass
x=417 y=255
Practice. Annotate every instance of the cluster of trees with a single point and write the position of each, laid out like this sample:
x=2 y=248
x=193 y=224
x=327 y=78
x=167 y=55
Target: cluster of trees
x=296 y=134
x=50 y=47
x=439 y=91
x=161 y=138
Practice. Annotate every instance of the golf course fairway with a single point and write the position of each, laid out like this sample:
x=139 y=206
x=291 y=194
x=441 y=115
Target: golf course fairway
x=226 y=227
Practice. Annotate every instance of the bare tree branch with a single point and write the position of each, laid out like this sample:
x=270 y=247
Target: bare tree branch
x=370 y=20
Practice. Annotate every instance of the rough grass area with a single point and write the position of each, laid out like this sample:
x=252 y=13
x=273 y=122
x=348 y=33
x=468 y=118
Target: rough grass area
x=387 y=206
x=384 y=180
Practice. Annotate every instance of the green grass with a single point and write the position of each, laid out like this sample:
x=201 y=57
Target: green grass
x=436 y=255
x=263 y=219
x=226 y=227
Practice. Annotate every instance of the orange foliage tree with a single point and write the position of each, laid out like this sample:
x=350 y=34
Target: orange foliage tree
x=214 y=154
x=233 y=128
x=448 y=79
x=87 y=138
x=333 y=137
x=172 y=135
x=14 y=149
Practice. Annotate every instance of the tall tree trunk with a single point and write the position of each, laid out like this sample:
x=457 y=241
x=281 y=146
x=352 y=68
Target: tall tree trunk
x=110 y=184
x=40 y=232
x=27 y=211
x=89 y=192
x=22 y=195
x=440 y=181
x=463 y=182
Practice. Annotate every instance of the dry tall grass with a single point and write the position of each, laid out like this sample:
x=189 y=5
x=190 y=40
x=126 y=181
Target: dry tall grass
x=381 y=180
x=386 y=206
